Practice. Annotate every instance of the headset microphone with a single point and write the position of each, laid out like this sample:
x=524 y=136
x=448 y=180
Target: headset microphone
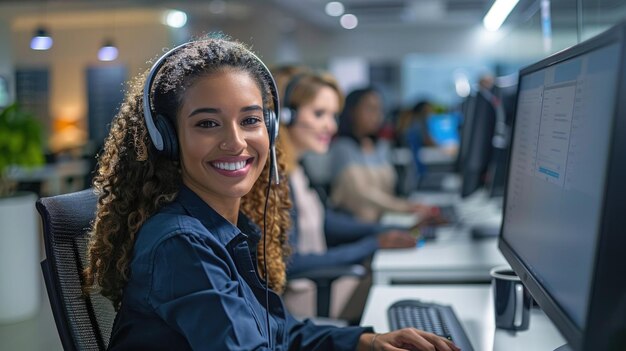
x=274 y=166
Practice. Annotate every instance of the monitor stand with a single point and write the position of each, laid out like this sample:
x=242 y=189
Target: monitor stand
x=485 y=231
x=564 y=348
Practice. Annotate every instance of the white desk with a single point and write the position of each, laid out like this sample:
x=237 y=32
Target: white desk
x=435 y=155
x=453 y=257
x=473 y=305
x=477 y=208
x=457 y=260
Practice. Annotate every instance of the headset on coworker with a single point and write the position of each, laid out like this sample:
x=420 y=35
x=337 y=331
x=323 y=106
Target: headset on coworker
x=289 y=112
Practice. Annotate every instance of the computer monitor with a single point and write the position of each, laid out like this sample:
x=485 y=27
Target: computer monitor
x=496 y=175
x=564 y=221
x=476 y=142
x=443 y=128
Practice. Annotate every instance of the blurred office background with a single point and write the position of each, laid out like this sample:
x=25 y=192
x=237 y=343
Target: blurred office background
x=410 y=49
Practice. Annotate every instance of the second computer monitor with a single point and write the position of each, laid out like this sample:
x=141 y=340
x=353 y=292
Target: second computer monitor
x=476 y=142
x=564 y=221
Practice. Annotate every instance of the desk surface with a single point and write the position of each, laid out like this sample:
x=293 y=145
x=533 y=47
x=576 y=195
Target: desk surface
x=458 y=259
x=474 y=307
x=453 y=257
x=436 y=155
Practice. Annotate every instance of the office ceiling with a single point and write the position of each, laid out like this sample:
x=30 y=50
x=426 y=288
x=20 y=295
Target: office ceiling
x=289 y=14
x=370 y=13
x=395 y=12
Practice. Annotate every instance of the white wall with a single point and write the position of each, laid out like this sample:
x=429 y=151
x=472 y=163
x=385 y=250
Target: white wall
x=74 y=49
x=6 y=56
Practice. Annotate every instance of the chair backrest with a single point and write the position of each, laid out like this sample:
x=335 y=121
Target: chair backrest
x=84 y=323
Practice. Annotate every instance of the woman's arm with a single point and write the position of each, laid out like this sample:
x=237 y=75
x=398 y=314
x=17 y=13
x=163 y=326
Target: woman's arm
x=308 y=336
x=335 y=256
x=343 y=228
x=404 y=339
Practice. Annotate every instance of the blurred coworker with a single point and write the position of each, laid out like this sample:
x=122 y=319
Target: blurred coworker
x=412 y=131
x=364 y=180
x=310 y=103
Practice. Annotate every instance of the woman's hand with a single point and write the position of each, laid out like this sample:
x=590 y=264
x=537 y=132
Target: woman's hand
x=405 y=339
x=428 y=215
x=396 y=239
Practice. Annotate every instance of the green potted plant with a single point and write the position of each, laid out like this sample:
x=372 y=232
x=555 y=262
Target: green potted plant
x=20 y=143
x=20 y=146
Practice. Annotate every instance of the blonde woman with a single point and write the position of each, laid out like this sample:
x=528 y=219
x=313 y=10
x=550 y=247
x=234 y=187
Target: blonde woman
x=311 y=102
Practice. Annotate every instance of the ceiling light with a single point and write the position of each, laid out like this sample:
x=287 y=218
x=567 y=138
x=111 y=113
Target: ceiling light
x=176 y=19
x=108 y=52
x=461 y=84
x=217 y=7
x=41 y=40
x=498 y=12
x=349 y=21
x=334 y=8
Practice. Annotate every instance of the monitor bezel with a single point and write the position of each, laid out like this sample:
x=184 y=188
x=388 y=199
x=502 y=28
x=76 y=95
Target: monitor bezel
x=606 y=286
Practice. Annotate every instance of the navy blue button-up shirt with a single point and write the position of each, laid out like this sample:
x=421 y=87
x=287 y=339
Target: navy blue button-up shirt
x=194 y=285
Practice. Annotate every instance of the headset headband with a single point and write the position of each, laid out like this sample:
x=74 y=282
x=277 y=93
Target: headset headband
x=155 y=135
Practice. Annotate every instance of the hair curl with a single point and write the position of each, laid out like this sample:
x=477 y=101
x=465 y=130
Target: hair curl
x=134 y=181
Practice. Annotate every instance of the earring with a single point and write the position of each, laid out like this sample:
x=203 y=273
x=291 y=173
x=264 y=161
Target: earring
x=223 y=145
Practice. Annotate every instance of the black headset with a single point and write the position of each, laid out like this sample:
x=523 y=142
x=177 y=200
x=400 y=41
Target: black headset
x=289 y=111
x=163 y=134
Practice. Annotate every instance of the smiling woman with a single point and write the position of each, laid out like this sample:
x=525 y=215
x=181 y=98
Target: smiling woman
x=223 y=141
x=182 y=185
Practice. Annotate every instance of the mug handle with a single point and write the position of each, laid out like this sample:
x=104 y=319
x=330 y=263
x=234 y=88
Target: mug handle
x=519 y=305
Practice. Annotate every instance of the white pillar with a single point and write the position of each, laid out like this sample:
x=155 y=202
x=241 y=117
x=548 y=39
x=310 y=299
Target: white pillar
x=20 y=290
x=7 y=68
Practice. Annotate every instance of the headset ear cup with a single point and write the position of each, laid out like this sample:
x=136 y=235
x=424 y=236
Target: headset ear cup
x=294 y=115
x=288 y=116
x=271 y=122
x=285 y=116
x=287 y=109
x=170 y=141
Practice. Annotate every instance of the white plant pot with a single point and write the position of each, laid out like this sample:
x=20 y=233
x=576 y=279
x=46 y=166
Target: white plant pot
x=20 y=291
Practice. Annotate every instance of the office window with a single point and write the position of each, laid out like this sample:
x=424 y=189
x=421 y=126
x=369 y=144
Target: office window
x=32 y=92
x=105 y=92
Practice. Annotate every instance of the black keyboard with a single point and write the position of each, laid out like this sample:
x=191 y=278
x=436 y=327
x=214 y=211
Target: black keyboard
x=430 y=317
x=449 y=213
x=428 y=232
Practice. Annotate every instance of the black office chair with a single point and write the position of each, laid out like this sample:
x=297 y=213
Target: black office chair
x=84 y=323
x=324 y=278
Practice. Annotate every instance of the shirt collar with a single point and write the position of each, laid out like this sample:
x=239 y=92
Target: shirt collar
x=213 y=221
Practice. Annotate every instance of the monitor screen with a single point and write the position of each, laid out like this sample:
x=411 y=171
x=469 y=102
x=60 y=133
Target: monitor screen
x=557 y=176
x=443 y=128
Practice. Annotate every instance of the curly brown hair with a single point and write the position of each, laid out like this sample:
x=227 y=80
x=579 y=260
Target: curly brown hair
x=134 y=180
